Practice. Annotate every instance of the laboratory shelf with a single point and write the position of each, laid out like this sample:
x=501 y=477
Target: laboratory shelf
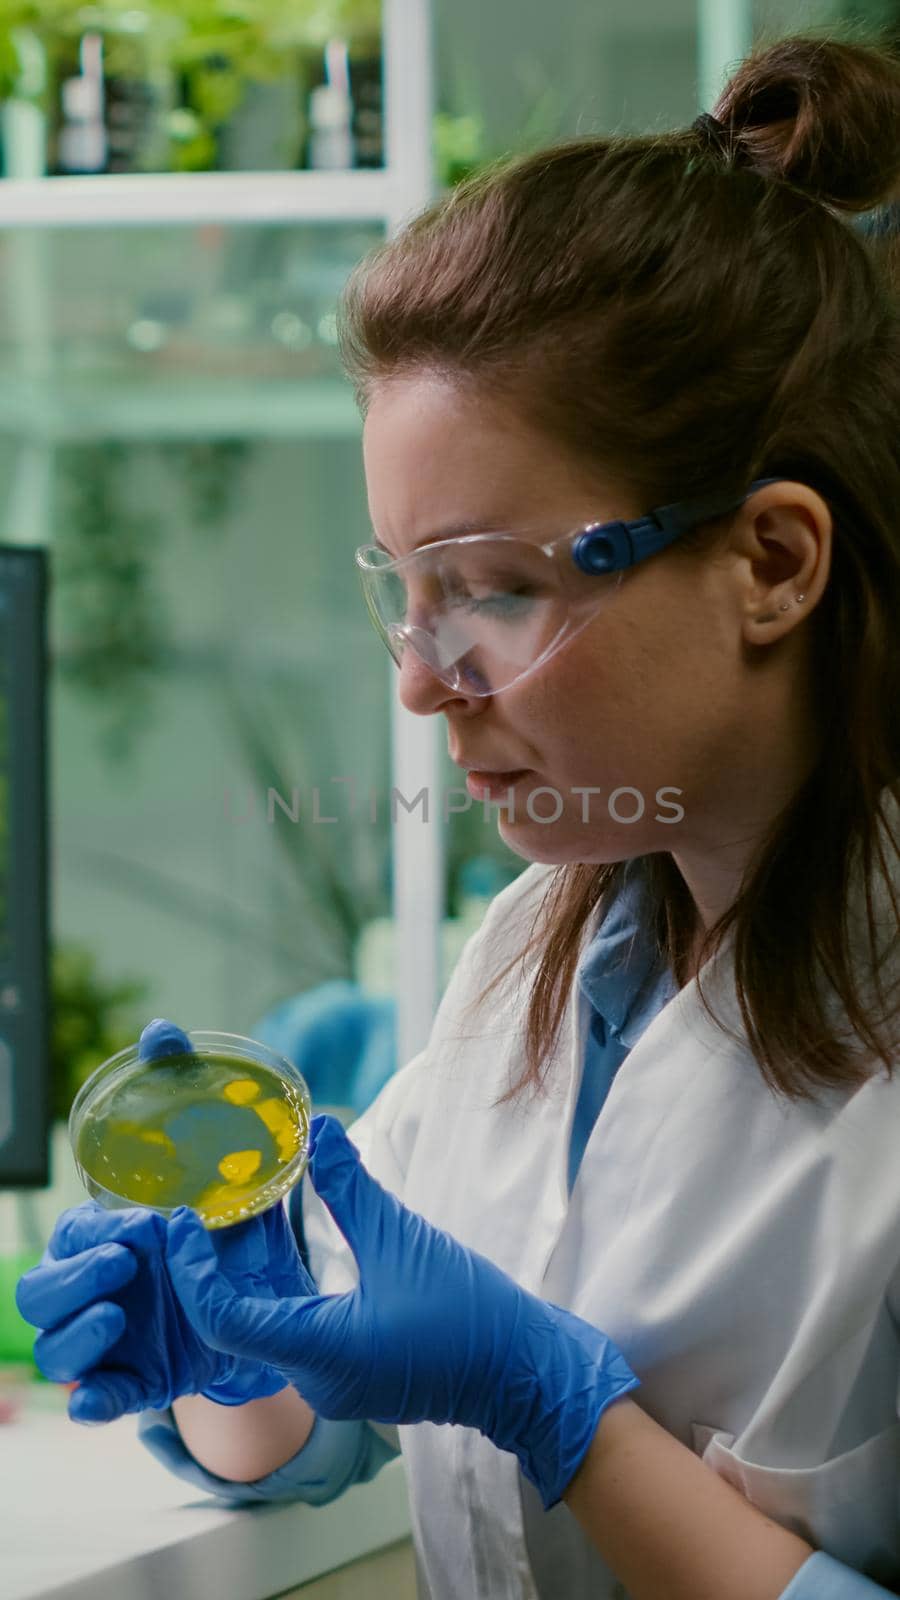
x=141 y=199
x=66 y=315
x=81 y=407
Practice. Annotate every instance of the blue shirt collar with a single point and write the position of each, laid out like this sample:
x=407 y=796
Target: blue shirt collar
x=621 y=970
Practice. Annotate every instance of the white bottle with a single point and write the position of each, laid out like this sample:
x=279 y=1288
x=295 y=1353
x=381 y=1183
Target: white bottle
x=82 y=138
x=331 y=146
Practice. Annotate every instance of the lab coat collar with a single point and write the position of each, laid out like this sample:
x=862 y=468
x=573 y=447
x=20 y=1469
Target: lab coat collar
x=621 y=971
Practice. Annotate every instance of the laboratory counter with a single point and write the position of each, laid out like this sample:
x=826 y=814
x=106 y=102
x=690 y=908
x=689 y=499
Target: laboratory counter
x=88 y=1514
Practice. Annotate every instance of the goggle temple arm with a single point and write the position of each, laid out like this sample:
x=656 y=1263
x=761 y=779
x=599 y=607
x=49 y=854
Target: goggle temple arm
x=611 y=546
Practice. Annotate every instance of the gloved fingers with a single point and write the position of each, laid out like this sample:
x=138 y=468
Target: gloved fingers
x=370 y=1218
x=244 y=1253
x=54 y=1291
x=287 y=1273
x=260 y=1256
x=242 y=1247
x=104 y=1395
x=86 y=1225
x=163 y=1038
x=81 y=1343
x=263 y=1330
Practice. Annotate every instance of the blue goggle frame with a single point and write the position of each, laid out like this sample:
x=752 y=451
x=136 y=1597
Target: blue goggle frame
x=612 y=546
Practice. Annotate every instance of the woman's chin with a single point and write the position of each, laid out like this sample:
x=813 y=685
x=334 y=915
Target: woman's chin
x=561 y=844
x=536 y=842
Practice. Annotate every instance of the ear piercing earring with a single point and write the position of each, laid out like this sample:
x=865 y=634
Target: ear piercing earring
x=771 y=615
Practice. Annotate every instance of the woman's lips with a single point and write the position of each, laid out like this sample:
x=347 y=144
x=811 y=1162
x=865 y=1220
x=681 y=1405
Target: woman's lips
x=494 y=785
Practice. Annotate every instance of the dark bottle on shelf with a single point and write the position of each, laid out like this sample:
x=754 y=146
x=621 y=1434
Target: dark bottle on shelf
x=367 y=91
x=133 y=113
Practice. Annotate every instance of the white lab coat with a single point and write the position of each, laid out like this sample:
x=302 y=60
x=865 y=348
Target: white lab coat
x=742 y=1251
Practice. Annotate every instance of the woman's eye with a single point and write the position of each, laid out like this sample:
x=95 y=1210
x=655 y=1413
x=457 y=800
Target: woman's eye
x=500 y=604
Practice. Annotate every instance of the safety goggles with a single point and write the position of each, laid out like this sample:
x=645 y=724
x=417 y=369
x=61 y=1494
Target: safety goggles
x=483 y=610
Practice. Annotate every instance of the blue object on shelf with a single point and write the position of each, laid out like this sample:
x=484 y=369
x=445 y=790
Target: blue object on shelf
x=343 y=1040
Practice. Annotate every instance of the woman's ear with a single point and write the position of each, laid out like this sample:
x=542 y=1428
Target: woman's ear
x=783 y=534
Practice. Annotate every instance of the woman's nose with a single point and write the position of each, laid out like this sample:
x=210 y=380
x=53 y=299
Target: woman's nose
x=422 y=691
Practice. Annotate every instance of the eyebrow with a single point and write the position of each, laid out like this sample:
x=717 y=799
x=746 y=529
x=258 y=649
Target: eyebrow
x=454 y=530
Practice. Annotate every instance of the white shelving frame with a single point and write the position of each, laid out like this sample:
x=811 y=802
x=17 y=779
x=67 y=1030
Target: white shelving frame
x=390 y=195
x=141 y=199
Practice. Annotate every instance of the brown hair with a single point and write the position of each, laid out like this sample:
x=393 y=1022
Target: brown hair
x=633 y=297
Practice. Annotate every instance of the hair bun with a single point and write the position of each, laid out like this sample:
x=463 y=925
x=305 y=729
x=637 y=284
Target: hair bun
x=821 y=113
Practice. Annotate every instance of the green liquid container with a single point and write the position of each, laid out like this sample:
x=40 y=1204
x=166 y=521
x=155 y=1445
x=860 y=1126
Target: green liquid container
x=223 y=1129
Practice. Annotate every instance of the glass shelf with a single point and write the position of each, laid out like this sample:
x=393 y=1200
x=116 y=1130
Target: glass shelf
x=79 y=409
x=147 y=198
x=173 y=332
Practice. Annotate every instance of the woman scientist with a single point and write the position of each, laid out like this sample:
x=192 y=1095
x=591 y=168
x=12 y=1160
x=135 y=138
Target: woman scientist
x=631 y=443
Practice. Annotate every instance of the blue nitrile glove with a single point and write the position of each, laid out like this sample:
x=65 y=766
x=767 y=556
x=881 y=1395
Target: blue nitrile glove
x=101 y=1296
x=433 y=1331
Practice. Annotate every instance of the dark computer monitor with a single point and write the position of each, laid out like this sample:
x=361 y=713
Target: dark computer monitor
x=24 y=998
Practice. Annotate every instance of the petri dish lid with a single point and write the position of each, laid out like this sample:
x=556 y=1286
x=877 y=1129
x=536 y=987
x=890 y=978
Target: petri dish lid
x=223 y=1129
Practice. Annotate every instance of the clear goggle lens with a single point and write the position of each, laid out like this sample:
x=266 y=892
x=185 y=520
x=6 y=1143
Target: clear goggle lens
x=479 y=611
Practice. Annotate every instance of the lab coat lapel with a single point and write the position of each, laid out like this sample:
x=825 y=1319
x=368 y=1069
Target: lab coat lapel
x=657 y=1072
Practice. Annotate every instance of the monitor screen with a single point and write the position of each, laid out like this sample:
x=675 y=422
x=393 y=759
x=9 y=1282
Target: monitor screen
x=24 y=999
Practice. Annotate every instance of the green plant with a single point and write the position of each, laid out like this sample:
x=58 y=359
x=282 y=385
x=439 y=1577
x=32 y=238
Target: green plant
x=337 y=875
x=458 y=144
x=113 y=636
x=111 y=633
x=90 y=1020
x=211 y=470
x=213 y=48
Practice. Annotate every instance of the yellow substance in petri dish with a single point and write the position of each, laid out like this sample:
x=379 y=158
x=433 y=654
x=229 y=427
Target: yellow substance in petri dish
x=156 y=1136
x=241 y=1091
x=209 y=1131
x=240 y=1165
x=278 y=1120
x=222 y=1202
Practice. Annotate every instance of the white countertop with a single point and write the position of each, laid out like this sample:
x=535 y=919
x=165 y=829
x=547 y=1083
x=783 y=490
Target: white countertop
x=89 y=1514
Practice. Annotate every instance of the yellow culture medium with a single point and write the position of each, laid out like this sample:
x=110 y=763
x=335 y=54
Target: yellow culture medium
x=206 y=1130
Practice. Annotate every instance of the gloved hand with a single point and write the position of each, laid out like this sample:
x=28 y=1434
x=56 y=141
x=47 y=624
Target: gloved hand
x=102 y=1298
x=432 y=1332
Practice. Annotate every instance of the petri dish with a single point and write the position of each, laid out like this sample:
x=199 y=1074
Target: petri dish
x=223 y=1128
